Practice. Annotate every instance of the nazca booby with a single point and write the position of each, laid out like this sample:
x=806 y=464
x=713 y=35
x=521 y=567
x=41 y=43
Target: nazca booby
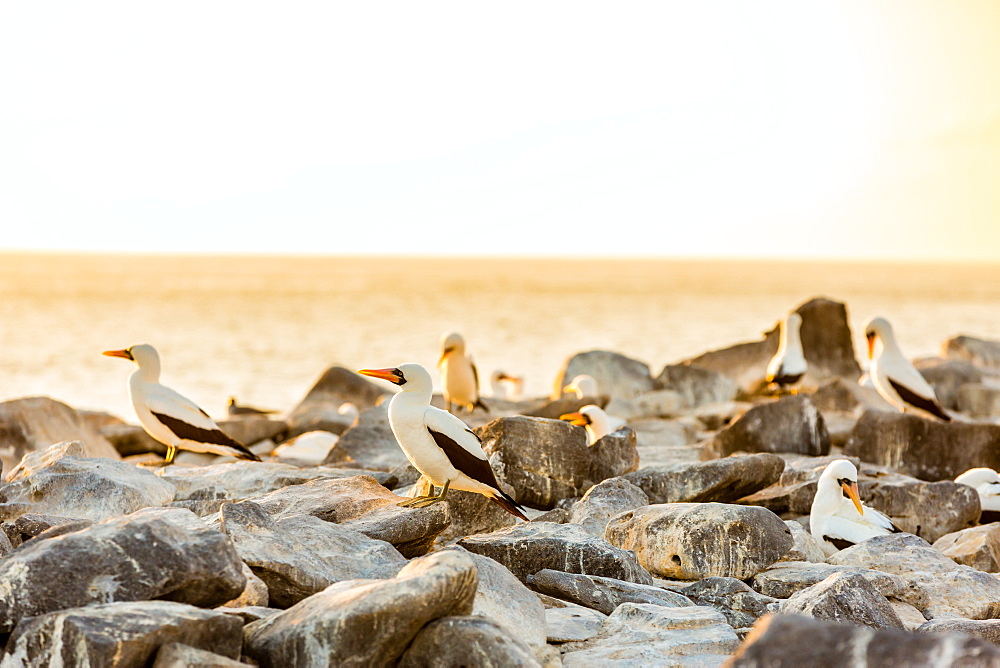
x=437 y=443
x=458 y=374
x=986 y=482
x=506 y=386
x=788 y=364
x=169 y=417
x=837 y=519
x=894 y=377
x=582 y=385
x=595 y=420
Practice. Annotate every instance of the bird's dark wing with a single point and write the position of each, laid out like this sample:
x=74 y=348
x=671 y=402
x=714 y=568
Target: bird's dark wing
x=192 y=433
x=839 y=543
x=466 y=462
x=923 y=403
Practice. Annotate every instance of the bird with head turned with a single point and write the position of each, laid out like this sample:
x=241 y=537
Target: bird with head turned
x=894 y=377
x=459 y=375
x=838 y=519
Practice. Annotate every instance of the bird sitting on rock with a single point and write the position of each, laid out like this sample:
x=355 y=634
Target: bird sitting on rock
x=837 y=519
x=986 y=482
x=459 y=374
x=595 y=420
x=170 y=418
x=894 y=377
x=582 y=385
x=437 y=443
x=788 y=364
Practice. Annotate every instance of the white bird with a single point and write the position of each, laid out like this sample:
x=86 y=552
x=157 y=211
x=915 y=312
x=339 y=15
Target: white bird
x=170 y=418
x=894 y=377
x=437 y=443
x=459 y=374
x=986 y=482
x=505 y=386
x=582 y=385
x=595 y=420
x=788 y=364
x=837 y=519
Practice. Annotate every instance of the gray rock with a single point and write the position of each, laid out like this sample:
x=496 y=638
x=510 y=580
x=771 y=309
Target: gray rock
x=120 y=634
x=456 y=642
x=797 y=640
x=845 y=597
x=737 y=602
x=549 y=460
x=470 y=513
x=616 y=375
x=804 y=547
x=952 y=589
x=603 y=501
x=723 y=480
x=981 y=352
x=59 y=481
x=30 y=525
x=254 y=593
x=336 y=386
x=979 y=401
x=840 y=395
x=412 y=531
x=697 y=385
x=551 y=409
x=925 y=449
x=131 y=439
x=790 y=424
x=978 y=547
x=160 y=553
x=177 y=655
x=300 y=555
x=639 y=634
x=572 y=622
x=599 y=593
x=528 y=548
x=370 y=442
x=784 y=579
x=946 y=376
x=690 y=541
x=986 y=629
x=365 y=622
x=35 y=423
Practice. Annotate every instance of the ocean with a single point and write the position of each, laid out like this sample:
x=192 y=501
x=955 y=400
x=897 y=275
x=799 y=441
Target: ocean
x=264 y=328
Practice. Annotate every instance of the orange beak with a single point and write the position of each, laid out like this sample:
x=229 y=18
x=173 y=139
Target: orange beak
x=124 y=354
x=391 y=375
x=579 y=419
x=871 y=346
x=852 y=492
x=444 y=354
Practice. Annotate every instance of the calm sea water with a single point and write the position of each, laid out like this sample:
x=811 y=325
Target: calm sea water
x=264 y=328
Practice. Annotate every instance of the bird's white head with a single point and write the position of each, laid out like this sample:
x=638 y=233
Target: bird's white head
x=143 y=354
x=410 y=377
x=978 y=476
x=583 y=385
x=842 y=473
x=877 y=328
x=451 y=342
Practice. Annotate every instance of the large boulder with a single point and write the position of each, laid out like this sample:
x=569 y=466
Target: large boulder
x=61 y=480
x=691 y=541
x=603 y=501
x=784 y=579
x=978 y=547
x=370 y=442
x=724 y=480
x=157 y=553
x=617 y=375
x=335 y=387
x=35 y=423
x=696 y=385
x=790 y=424
x=463 y=641
x=947 y=376
x=549 y=460
x=983 y=353
x=978 y=400
x=365 y=622
x=925 y=449
x=470 y=513
x=120 y=635
x=845 y=597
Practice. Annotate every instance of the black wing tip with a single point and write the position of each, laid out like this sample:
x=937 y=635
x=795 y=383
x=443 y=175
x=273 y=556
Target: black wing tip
x=839 y=543
x=923 y=403
x=509 y=504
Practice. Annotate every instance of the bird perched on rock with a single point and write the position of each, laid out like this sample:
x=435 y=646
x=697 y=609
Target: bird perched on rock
x=837 y=519
x=595 y=420
x=894 y=377
x=170 y=418
x=235 y=410
x=986 y=482
x=788 y=364
x=437 y=443
x=459 y=375
x=506 y=386
x=582 y=385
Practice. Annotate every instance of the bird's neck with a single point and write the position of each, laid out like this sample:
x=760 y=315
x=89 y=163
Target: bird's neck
x=789 y=340
x=416 y=396
x=147 y=374
x=829 y=497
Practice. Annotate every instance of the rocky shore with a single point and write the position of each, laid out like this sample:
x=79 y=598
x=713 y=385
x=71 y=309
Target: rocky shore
x=680 y=539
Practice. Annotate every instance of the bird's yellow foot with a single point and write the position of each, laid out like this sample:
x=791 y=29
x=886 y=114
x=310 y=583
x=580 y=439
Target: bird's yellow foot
x=413 y=503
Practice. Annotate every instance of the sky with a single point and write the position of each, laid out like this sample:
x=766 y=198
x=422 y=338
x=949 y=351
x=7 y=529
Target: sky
x=850 y=129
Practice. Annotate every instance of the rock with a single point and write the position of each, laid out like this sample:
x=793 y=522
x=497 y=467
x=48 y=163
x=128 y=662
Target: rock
x=35 y=423
x=790 y=424
x=839 y=395
x=599 y=593
x=470 y=513
x=301 y=555
x=551 y=409
x=528 y=548
x=981 y=352
x=723 y=480
x=164 y=553
x=716 y=416
x=402 y=476
x=845 y=597
x=467 y=641
x=412 y=531
x=250 y=430
x=29 y=525
x=797 y=640
x=370 y=442
x=638 y=634
x=784 y=579
x=922 y=448
x=978 y=547
x=336 y=386
x=603 y=501
x=254 y=595
x=59 y=481
x=616 y=374
x=177 y=655
x=986 y=629
x=120 y=634
x=804 y=546
x=131 y=439
x=927 y=509
x=549 y=460
x=308 y=449
x=737 y=602
x=946 y=376
x=249 y=613
x=979 y=401
x=652 y=404
x=952 y=589
x=365 y=622
x=572 y=622
x=697 y=385
x=691 y=541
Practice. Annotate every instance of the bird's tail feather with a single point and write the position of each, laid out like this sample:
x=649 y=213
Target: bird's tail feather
x=508 y=504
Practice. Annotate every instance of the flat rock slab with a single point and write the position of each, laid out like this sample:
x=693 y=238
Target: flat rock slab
x=978 y=547
x=723 y=480
x=784 y=579
x=845 y=597
x=987 y=629
x=164 y=553
x=301 y=555
x=467 y=641
x=790 y=424
x=529 y=548
x=571 y=622
x=365 y=622
x=120 y=634
x=602 y=594
x=797 y=640
x=691 y=541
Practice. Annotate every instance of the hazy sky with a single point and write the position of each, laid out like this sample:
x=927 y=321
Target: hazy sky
x=866 y=128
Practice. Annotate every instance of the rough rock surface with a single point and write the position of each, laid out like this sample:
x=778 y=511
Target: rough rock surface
x=696 y=385
x=470 y=513
x=177 y=655
x=467 y=641
x=947 y=376
x=845 y=597
x=568 y=622
x=981 y=352
x=804 y=547
x=979 y=401
x=987 y=629
x=978 y=547
x=737 y=602
x=790 y=424
x=784 y=579
x=723 y=480
x=602 y=594
x=616 y=375
x=370 y=442
x=603 y=501
x=35 y=423
x=690 y=541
